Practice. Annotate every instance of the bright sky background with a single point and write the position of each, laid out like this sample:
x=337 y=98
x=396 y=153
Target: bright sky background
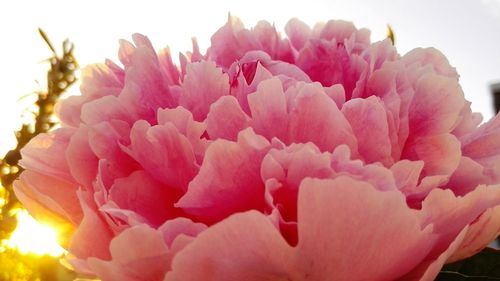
x=466 y=31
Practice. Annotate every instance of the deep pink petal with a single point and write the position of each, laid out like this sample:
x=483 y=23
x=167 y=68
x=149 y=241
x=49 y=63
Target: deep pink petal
x=140 y=193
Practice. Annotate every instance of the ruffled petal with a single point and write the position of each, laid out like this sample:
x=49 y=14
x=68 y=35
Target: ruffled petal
x=349 y=235
x=229 y=251
x=375 y=145
x=226 y=119
x=314 y=117
x=229 y=170
x=138 y=253
x=164 y=153
x=203 y=85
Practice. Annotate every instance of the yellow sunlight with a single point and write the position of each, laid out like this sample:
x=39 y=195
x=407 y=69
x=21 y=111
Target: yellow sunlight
x=32 y=237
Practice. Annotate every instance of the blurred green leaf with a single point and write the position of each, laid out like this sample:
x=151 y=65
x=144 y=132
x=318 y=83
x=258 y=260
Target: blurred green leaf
x=485 y=265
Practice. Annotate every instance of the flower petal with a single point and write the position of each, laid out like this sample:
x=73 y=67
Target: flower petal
x=138 y=253
x=229 y=170
x=314 y=117
x=203 y=85
x=346 y=224
x=229 y=251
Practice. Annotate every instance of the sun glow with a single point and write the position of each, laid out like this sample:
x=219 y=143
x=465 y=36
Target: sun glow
x=32 y=237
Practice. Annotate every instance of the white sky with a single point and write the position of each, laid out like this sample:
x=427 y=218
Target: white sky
x=466 y=31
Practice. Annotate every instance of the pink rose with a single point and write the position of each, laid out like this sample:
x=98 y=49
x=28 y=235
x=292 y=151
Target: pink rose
x=320 y=156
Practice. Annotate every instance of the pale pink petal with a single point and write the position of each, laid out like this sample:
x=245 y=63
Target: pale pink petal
x=469 y=121
x=315 y=118
x=232 y=251
x=407 y=173
x=271 y=42
x=171 y=229
x=66 y=215
x=164 y=153
x=138 y=253
x=105 y=140
x=226 y=119
x=241 y=88
x=69 y=110
x=379 y=53
x=268 y=107
x=298 y=32
x=93 y=235
x=436 y=105
x=168 y=67
x=375 y=145
x=126 y=52
x=449 y=214
x=482 y=146
x=336 y=93
x=337 y=30
x=330 y=64
x=359 y=219
x=468 y=175
x=424 y=57
x=428 y=269
x=45 y=154
x=289 y=167
x=231 y=42
x=99 y=80
x=480 y=233
x=391 y=84
x=81 y=159
x=151 y=91
x=440 y=153
x=229 y=170
x=203 y=85
x=58 y=196
x=194 y=131
x=105 y=109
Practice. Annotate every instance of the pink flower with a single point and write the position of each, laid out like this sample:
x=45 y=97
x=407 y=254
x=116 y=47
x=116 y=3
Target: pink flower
x=320 y=156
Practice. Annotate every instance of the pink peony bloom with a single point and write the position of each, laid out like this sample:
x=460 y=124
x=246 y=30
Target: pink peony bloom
x=320 y=156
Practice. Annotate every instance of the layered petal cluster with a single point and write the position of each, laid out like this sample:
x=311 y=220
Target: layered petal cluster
x=315 y=156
